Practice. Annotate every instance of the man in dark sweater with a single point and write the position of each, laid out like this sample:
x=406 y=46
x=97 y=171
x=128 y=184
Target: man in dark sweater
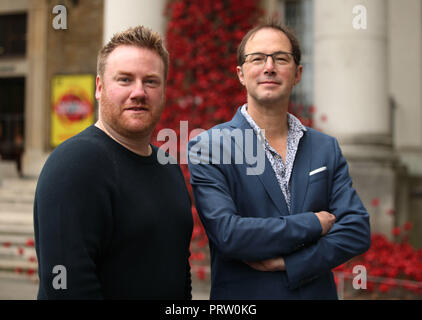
x=111 y=221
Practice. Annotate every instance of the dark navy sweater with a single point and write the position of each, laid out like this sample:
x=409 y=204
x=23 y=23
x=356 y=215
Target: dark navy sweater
x=119 y=223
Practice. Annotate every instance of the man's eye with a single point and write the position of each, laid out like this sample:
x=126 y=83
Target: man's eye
x=282 y=58
x=257 y=59
x=124 y=80
x=152 y=82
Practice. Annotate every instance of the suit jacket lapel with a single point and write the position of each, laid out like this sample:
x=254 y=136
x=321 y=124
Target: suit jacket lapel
x=300 y=173
x=267 y=178
x=270 y=183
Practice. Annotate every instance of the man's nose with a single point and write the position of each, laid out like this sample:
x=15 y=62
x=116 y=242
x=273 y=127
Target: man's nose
x=138 y=91
x=269 y=66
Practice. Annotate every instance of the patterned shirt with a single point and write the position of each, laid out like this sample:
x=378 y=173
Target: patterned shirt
x=282 y=170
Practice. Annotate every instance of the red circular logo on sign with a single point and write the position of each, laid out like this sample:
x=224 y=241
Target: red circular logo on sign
x=73 y=107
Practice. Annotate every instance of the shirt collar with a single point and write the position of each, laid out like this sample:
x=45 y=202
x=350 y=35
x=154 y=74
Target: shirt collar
x=294 y=123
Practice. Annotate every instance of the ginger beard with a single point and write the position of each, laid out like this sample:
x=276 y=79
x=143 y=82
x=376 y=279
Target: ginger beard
x=129 y=123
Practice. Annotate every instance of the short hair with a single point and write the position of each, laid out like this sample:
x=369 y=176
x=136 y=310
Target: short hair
x=139 y=36
x=270 y=24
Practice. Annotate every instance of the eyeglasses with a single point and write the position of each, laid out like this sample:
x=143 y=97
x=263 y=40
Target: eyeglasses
x=259 y=58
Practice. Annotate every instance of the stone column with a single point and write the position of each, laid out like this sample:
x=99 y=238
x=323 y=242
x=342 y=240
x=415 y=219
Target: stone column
x=35 y=96
x=405 y=66
x=270 y=7
x=351 y=98
x=120 y=15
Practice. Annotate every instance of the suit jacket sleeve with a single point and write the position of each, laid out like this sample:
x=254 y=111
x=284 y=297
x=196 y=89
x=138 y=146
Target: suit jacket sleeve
x=349 y=236
x=239 y=237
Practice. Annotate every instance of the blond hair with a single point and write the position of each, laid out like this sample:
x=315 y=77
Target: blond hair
x=139 y=36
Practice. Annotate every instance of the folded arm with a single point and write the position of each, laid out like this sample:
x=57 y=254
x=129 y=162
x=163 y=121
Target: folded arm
x=245 y=238
x=278 y=264
x=349 y=236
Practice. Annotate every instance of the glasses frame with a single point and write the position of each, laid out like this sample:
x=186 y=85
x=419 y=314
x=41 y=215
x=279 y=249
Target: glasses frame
x=266 y=56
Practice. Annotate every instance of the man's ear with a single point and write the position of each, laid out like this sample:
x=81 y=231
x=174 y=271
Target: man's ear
x=240 y=75
x=298 y=75
x=98 y=87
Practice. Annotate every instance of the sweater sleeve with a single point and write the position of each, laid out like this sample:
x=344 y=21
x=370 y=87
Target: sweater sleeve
x=73 y=220
x=188 y=285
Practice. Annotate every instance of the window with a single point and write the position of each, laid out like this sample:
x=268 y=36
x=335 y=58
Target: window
x=12 y=35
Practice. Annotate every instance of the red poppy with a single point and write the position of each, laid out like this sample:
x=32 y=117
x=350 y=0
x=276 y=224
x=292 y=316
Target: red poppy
x=396 y=231
x=201 y=273
x=383 y=287
x=407 y=226
x=375 y=202
x=391 y=212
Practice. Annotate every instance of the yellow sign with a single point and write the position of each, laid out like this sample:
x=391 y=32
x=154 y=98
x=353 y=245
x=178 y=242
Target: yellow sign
x=72 y=105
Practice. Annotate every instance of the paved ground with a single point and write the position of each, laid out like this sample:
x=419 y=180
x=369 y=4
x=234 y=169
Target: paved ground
x=17 y=288
x=21 y=288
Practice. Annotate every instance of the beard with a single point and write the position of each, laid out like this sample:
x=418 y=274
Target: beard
x=126 y=124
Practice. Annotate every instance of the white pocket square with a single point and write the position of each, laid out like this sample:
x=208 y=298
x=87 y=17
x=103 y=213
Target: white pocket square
x=317 y=170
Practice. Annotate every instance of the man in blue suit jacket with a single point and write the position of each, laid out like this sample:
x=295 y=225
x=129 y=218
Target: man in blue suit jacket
x=275 y=197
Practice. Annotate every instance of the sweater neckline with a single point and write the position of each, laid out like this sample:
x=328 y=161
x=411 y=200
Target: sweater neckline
x=152 y=158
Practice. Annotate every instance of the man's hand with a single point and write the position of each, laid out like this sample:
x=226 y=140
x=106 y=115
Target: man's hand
x=327 y=220
x=274 y=264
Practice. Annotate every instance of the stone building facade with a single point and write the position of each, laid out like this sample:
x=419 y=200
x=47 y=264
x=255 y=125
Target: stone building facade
x=365 y=83
x=49 y=52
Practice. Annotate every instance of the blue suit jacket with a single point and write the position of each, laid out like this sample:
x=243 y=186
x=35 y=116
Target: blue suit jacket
x=246 y=216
